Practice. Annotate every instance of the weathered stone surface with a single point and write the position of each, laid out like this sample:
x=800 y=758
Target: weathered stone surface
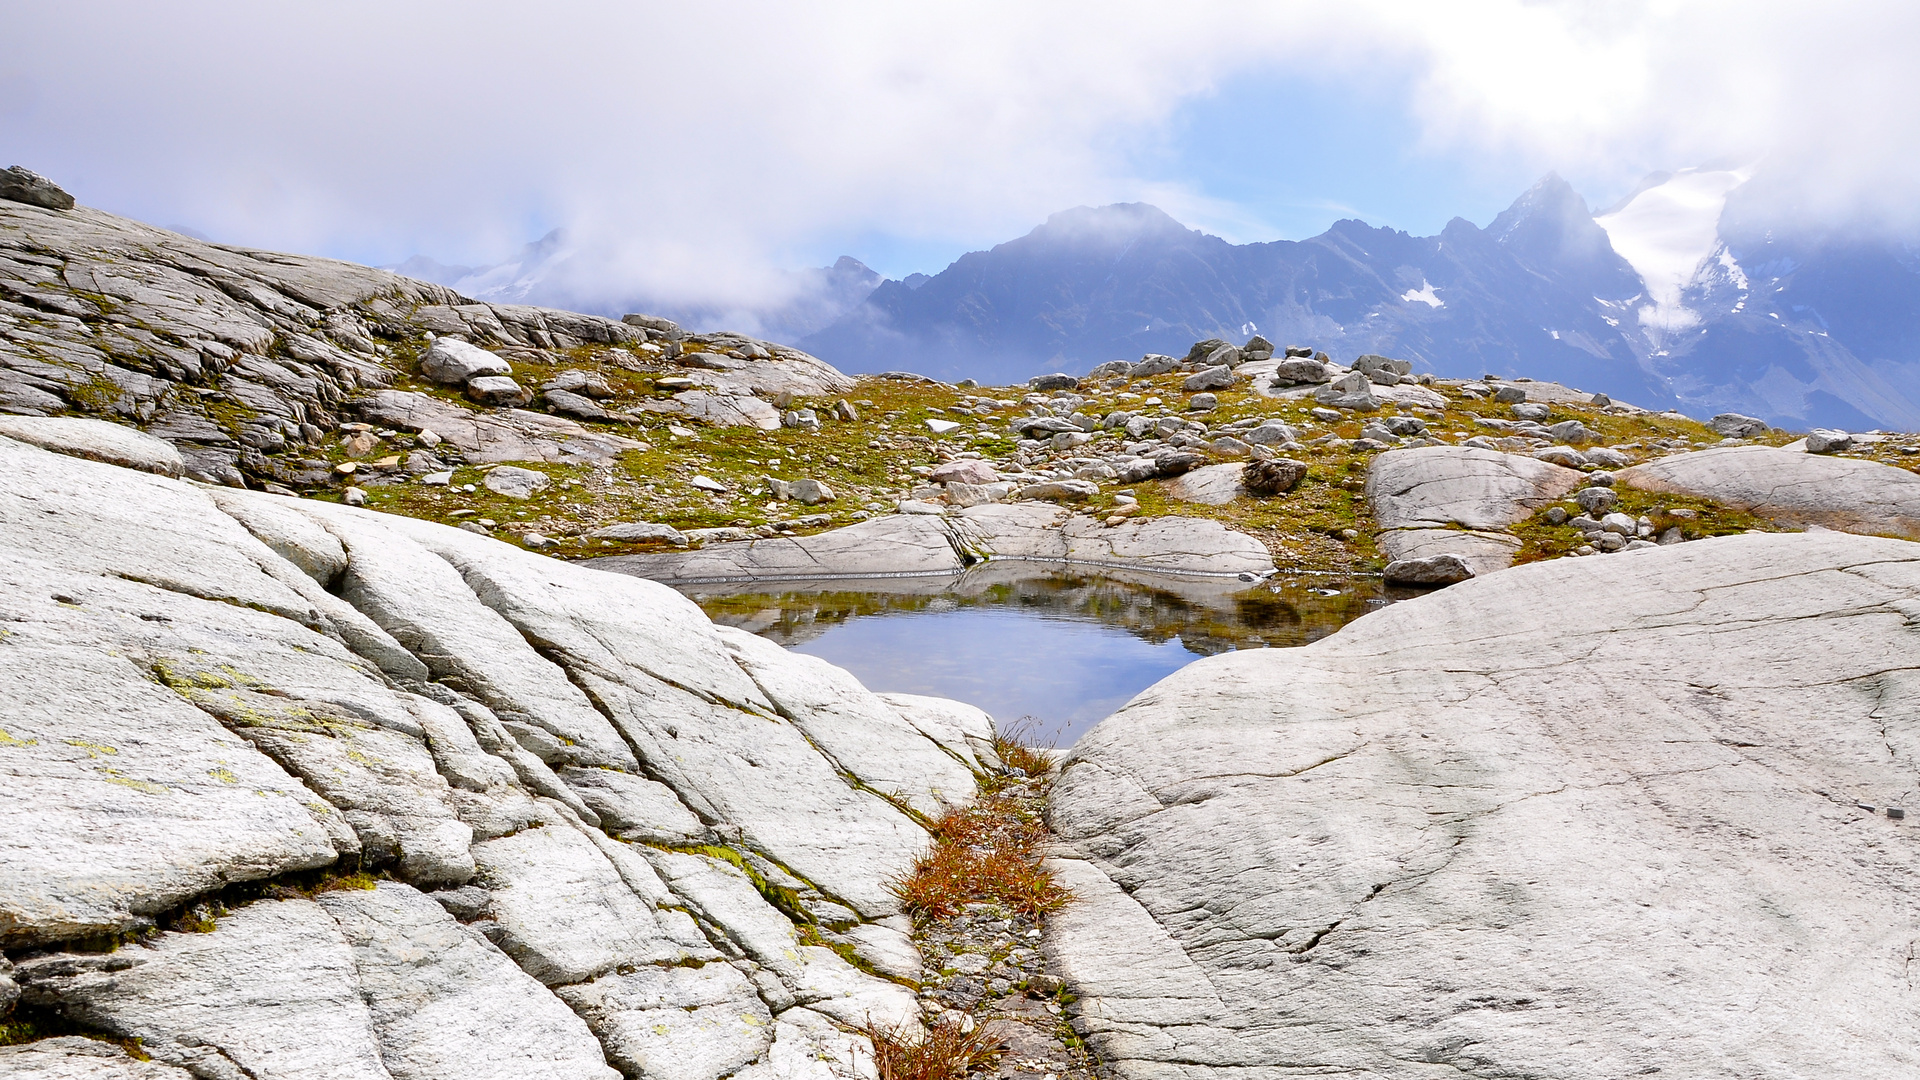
x=208 y=688
x=1461 y=485
x=1442 y=569
x=96 y=440
x=1209 y=485
x=853 y=726
x=75 y=1057
x=1273 y=476
x=1795 y=489
x=640 y=530
x=894 y=546
x=503 y=435
x=498 y=390
x=454 y=362
x=964 y=471
x=446 y=1004
x=1410 y=849
x=515 y=482
x=718 y=409
x=565 y=914
x=23 y=185
x=676 y=1023
x=272 y=992
x=1483 y=551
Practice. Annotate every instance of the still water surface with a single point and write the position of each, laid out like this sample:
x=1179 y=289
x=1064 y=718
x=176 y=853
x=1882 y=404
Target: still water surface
x=1064 y=649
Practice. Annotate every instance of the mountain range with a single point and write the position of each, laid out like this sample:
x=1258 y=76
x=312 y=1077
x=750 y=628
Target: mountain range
x=1697 y=291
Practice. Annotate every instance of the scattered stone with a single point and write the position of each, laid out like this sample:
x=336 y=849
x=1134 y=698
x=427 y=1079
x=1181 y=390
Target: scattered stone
x=1303 y=371
x=1431 y=570
x=354 y=496
x=567 y=403
x=1564 y=456
x=499 y=391
x=810 y=492
x=1046 y=383
x=1229 y=446
x=702 y=482
x=942 y=427
x=1274 y=476
x=1828 y=441
x=1596 y=500
x=1257 y=348
x=22 y=185
x=808 y=420
x=1202 y=403
x=1624 y=524
x=1176 y=462
x=1353 y=391
x=1735 y=426
x=1381 y=370
x=964 y=471
x=844 y=411
x=1152 y=364
x=576 y=381
x=515 y=482
x=638 y=531
x=1572 y=431
x=1271 y=433
x=1510 y=395
x=452 y=362
x=1061 y=490
x=1532 y=411
x=1213 y=378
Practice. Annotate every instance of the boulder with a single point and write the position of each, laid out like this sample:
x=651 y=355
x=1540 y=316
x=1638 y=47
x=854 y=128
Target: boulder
x=1169 y=463
x=1274 y=476
x=1352 y=391
x=575 y=405
x=1210 y=485
x=964 y=471
x=810 y=492
x=1257 y=348
x=1848 y=494
x=1828 y=441
x=1152 y=364
x=453 y=362
x=1735 y=426
x=1060 y=490
x=575 y=381
x=1301 y=371
x=1382 y=370
x=1047 y=383
x=636 y=531
x=22 y=185
x=1292 y=860
x=499 y=391
x=1270 y=433
x=96 y=440
x=1213 y=378
x=1461 y=486
x=515 y=482
x=1510 y=394
x=1444 y=569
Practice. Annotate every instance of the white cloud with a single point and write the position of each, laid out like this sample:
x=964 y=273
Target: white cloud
x=692 y=149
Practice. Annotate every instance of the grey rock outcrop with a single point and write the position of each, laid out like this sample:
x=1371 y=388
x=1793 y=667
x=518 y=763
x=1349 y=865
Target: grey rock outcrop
x=1415 y=848
x=1459 y=500
x=1791 y=488
x=22 y=185
x=935 y=545
x=210 y=690
x=241 y=359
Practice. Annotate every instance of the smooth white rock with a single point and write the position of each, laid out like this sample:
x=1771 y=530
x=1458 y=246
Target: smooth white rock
x=96 y=440
x=676 y=1023
x=1848 y=494
x=1479 y=833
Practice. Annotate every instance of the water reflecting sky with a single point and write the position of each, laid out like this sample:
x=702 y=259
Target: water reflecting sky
x=1065 y=650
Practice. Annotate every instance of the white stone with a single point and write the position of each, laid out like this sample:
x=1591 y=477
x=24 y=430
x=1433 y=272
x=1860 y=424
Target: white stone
x=515 y=482
x=452 y=362
x=1411 y=843
x=446 y=1004
x=1848 y=494
x=96 y=440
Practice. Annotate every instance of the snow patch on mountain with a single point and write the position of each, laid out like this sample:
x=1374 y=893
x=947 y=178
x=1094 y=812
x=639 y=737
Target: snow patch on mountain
x=1423 y=295
x=1666 y=232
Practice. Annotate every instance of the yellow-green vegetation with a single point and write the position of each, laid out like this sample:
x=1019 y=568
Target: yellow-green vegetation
x=1323 y=526
x=1695 y=518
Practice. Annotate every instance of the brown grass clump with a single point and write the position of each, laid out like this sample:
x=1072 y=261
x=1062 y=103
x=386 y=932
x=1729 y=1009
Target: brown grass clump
x=1014 y=745
x=945 y=1053
x=983 y=853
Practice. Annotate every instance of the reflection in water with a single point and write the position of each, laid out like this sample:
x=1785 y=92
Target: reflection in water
x=1066 y=649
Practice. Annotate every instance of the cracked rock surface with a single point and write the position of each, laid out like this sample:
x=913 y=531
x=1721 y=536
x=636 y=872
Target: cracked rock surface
x=293 y=790
x=1795 y=488
x=1481 y=834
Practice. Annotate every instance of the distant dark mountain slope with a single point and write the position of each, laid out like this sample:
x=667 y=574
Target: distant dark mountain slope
x=1689 y=292
x=1118 y=281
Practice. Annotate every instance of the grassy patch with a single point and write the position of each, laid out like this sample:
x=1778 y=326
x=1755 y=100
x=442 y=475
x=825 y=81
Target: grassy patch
x=1698 y=519
x=983 y=853
x=943 y=1052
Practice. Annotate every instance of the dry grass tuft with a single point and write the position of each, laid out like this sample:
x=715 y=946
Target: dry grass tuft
x=983 y=853
x=1015 y=746
x=945 y=1053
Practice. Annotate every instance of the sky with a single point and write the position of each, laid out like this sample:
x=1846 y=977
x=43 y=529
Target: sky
x=694 y=151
